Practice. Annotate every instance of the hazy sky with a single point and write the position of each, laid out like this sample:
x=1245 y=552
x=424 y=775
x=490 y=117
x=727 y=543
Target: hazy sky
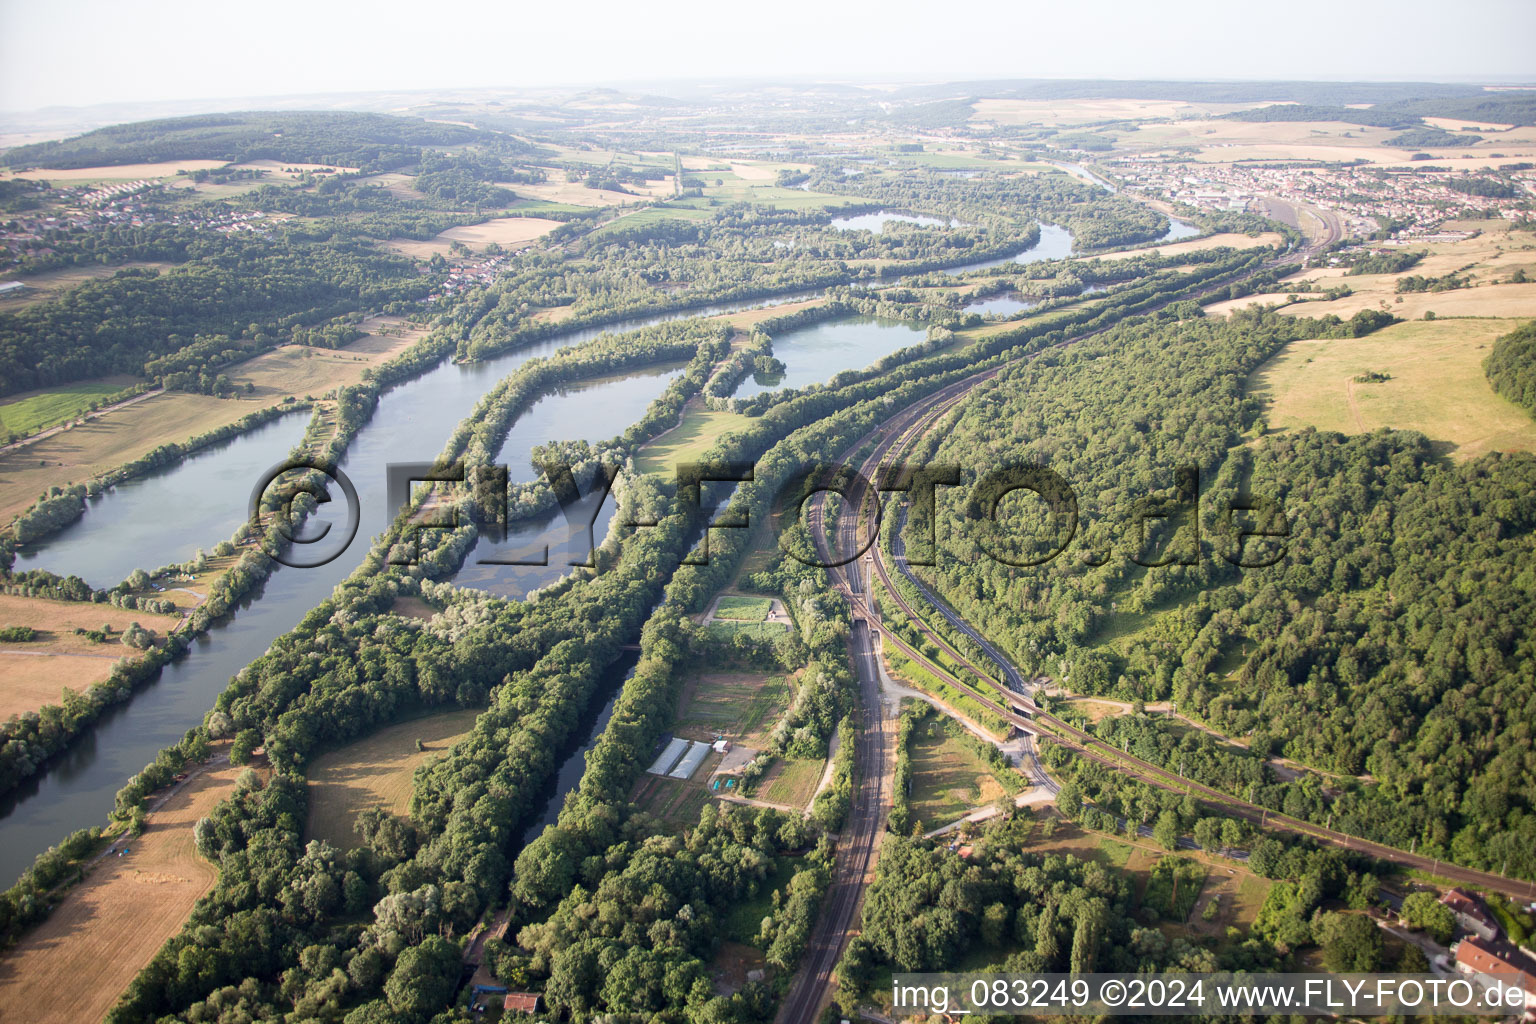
x=80 y=52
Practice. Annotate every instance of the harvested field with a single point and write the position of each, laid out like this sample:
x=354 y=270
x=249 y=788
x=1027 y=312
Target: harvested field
x=1488 y=300
x=1270 y=239
x=49 y=284
x=1238 y=141
x=1226 y=306
x=1085 y=111
x=76 y=964
x=57 y=621
x=28 y=680
x=35 y=673
x=1436 y=386
x=376 y=772
x=300 y=370
x=279 y=169
x=79 y=453
x=573 y=193
x=748 y=317
x=508 y=232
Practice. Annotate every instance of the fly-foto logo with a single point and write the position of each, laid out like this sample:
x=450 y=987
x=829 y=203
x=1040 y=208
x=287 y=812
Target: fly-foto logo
x=1018 y=515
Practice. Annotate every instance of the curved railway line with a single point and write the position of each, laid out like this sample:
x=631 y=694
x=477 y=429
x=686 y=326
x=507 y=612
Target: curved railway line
x=810 y=989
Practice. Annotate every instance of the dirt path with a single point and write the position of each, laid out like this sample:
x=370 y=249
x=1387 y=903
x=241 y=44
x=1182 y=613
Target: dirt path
x=75 y=965
x=40 y=435
x=752 y=801
x=1354 y=404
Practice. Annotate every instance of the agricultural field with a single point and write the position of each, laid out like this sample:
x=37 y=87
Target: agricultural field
x=75 y=965
x=676 y=802
x=1221 y=141
x=791 y=782
x=740 y=706
x=116 y=172
x=29 y=680
x=507 y=232
x=376 y=772
x=948 y=781
x=49 y=284
x=107 y=441
x=35 y=672
x=1487 y=261
x=1271 y=239
x=749 y=317
x=27 y=413
x=121 y=435
x=300 y=370
x=1053 y=113
x=1436 y=385
x=732 y=188
x=572 y=193
x=759 y=630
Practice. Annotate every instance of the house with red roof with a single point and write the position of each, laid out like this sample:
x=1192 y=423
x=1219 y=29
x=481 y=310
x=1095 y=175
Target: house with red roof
x=1490 y=965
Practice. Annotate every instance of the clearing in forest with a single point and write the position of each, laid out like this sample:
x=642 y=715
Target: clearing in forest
x=1434 y=384
x=376 y=771
x=948 y=780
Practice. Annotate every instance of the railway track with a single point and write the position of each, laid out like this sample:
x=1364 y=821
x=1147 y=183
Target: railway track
x=858 y=846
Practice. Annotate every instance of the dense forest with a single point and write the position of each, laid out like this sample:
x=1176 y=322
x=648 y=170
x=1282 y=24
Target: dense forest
x=1511 y=366
x=256 y=291
x=370 y=142
x=1383 y=644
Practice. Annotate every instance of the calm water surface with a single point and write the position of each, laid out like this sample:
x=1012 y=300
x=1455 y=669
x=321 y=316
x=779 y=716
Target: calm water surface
x=818 y=352
x=876 y=221
x=126 y=528
x=411 y=424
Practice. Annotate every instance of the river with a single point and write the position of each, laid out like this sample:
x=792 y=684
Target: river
x=411 y=424
x=124 y=528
